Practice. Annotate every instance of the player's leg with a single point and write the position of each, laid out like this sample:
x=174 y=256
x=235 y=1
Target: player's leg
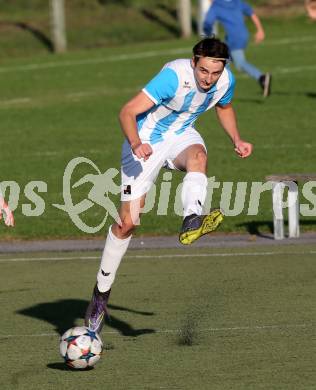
x=193 y=160
x=116 y=244
x=240 y=62
x=137 y=178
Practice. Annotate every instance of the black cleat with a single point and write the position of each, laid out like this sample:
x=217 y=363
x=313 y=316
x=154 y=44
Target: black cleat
x=97 y=310
x=265 y=81
x=194 y=226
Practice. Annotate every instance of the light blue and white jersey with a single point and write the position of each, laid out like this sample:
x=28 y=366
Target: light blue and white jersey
x=179 y=100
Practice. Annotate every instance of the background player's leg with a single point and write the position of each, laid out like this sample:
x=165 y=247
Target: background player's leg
x=264 y=79
x=242 y=64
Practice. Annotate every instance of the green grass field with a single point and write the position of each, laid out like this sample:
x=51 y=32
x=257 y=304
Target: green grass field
x=53 y=109
x=180 y=319
x=25 y=26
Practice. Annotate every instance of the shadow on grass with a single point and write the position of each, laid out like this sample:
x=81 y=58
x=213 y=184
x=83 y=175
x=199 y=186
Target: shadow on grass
x=150 y=15
x=64 y=313
x=172 y=12
x=255 y=228
x=64 y=367
x=265 y=228
x=39 y=35
x=309 y=94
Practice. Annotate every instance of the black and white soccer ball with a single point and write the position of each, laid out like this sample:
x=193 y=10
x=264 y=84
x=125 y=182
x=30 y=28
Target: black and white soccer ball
x=80 y=347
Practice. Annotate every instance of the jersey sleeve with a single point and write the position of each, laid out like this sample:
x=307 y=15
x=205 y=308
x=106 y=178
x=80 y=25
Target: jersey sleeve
x=246 y=9
x=163 y=86
x=228 y=96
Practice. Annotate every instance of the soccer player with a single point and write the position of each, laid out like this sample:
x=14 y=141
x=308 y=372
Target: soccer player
x=5 y=212
x=231 y=15
x=158 y=124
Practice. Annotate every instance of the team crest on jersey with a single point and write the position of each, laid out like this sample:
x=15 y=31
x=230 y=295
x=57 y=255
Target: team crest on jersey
x=186 y=84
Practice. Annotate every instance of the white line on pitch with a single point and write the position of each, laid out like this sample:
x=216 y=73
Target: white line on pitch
x=80 y=95
x=94 y=61
x=295 y=69
x=210 y=330
x=22 y=259
x=135 y=56
x=154 y=257
x=286 y=41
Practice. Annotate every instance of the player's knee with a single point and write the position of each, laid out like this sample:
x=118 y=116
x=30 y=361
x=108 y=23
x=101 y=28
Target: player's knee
x=127 y=227
x=199 y=160
x=202 y=157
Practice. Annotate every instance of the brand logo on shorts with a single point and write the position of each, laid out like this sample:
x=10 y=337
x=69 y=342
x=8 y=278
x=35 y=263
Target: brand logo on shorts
x=127 y=190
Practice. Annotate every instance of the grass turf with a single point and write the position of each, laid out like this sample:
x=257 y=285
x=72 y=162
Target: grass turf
x=25 y=27
x=201 y=319
x=55 y=109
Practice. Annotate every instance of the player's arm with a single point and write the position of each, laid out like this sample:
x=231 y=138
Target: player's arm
x=248 y=11
x=161 y=88
x=227 y=118
x=260 y=34
x=137 y=105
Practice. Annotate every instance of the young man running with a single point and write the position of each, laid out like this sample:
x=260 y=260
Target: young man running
x=158 y=124
x=231 y=15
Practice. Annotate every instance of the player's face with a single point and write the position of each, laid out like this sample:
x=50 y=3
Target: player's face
x=207 y=72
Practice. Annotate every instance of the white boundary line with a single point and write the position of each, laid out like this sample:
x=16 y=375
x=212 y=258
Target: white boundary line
x=94 y=61
x=286 y=41
x=78 y=96
x=172 y=331
x=294 y=69
x=135 y=56
x=154 y=257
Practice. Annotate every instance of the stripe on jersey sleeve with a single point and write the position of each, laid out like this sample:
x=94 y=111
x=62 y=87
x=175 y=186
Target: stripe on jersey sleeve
x=228 y=97
x=163 y=86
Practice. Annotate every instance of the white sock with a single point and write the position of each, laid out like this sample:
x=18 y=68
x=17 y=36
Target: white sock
x=193 y=193
x=113 y=252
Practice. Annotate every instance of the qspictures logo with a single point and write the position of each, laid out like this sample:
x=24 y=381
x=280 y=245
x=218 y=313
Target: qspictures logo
x=103 y=186
x=97 y=191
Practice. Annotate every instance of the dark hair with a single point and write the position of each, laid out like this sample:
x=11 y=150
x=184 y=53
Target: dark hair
x=211 y=47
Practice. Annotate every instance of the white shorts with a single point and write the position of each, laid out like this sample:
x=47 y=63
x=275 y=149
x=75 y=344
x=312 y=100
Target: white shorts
x=138 y=175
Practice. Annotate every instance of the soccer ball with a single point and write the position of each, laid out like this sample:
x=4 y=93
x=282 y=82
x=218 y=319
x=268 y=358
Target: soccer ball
x=80 y=347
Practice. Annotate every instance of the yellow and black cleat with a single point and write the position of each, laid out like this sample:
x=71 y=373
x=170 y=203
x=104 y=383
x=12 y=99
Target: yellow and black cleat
x=195 y=226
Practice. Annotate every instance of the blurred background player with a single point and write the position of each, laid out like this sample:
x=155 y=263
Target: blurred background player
x=231 y=15
x=158 y=124
x=5 y=212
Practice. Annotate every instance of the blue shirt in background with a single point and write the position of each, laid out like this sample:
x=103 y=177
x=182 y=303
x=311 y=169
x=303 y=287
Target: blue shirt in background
x=231 y=14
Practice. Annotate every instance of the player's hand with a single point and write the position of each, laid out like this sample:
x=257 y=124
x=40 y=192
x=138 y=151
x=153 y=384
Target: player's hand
x=259 y=36
x=4 y=209
x=142 y=151
x=243 y=149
